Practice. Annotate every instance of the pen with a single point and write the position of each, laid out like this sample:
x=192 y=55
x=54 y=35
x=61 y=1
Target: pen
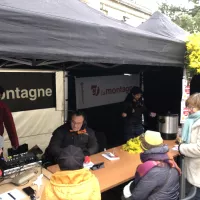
x=11 y=196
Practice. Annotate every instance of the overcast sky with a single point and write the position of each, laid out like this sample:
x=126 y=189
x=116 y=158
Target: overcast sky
x=153 y=4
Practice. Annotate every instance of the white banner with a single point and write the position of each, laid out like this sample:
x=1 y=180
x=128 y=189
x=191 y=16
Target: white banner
x=185 y=95
x=184 y=112
x=103 y=90
x=185 y=89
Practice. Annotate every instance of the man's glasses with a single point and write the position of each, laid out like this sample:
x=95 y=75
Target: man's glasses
x=77 y=123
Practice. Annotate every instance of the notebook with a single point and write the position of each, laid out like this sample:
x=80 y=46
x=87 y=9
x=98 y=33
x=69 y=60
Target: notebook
x=110 y=156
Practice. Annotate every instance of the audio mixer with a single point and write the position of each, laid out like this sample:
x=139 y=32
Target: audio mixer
x=20 y=162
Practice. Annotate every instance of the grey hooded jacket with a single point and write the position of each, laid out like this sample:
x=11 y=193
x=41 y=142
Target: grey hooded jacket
x=160 y=183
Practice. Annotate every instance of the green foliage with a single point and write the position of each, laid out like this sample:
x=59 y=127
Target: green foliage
x=188 y=19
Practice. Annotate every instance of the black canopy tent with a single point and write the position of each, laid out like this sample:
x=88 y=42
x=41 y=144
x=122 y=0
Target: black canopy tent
x=43 y=32
x=71 y=36
x=162 y=25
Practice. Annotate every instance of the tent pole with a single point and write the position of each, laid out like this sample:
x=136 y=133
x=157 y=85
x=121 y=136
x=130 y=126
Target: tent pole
x=3 y=64
x=182 y=179
x=142 y=87
x=24 y=62
x=182 y=164
x=43 y=63
x=142 y=81
x=65 y=95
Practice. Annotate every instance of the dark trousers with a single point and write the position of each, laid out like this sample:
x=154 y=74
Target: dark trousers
x=132 y=131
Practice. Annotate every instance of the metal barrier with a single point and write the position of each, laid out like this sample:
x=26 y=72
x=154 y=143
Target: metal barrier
x=191 y=194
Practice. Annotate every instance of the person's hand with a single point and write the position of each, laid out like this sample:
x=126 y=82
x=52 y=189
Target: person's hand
x=152 y=114
x=178 y=140
x=124 y=115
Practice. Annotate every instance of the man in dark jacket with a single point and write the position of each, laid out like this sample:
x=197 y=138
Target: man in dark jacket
x=6 y=120
x=74 y=133
x=158 y=175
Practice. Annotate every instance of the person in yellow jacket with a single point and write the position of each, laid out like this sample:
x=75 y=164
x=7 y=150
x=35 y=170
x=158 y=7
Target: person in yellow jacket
x=73 y=182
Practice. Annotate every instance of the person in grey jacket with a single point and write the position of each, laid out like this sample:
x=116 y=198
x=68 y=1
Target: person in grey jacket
x=190 y=146
x=158 y=175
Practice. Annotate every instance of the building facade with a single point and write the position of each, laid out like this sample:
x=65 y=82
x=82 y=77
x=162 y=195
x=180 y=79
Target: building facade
x=128 y=11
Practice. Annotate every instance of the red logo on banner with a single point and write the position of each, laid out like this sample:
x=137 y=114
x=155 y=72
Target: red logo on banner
x=187 y=89
x=185 y=112
x=95 y=90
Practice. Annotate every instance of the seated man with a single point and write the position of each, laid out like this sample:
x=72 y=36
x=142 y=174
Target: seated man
x=74 y=133
x=73 y=181
x=158 y=175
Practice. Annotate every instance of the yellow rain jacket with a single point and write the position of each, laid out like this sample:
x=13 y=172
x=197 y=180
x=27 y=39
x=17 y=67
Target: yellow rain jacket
x=72 y=185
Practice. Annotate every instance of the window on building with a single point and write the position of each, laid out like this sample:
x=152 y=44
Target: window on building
x=125 y=18
x=103 y=9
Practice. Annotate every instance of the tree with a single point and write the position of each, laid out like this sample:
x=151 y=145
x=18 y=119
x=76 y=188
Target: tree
x=193 y=53
x=188 y=19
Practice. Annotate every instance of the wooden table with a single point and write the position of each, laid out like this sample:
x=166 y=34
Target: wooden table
x=45 y=180
x=114 y=173
x=118 y=171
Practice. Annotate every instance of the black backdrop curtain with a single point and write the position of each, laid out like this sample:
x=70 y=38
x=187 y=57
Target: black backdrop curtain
x=162 y=93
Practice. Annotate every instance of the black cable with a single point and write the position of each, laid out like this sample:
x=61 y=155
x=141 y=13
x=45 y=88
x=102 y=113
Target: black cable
x=43 y=165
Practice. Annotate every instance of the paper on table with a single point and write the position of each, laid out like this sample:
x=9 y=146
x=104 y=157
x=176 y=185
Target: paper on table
x=88 y=165
x=17 y=194
x=175 y=148
x=110 y=156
